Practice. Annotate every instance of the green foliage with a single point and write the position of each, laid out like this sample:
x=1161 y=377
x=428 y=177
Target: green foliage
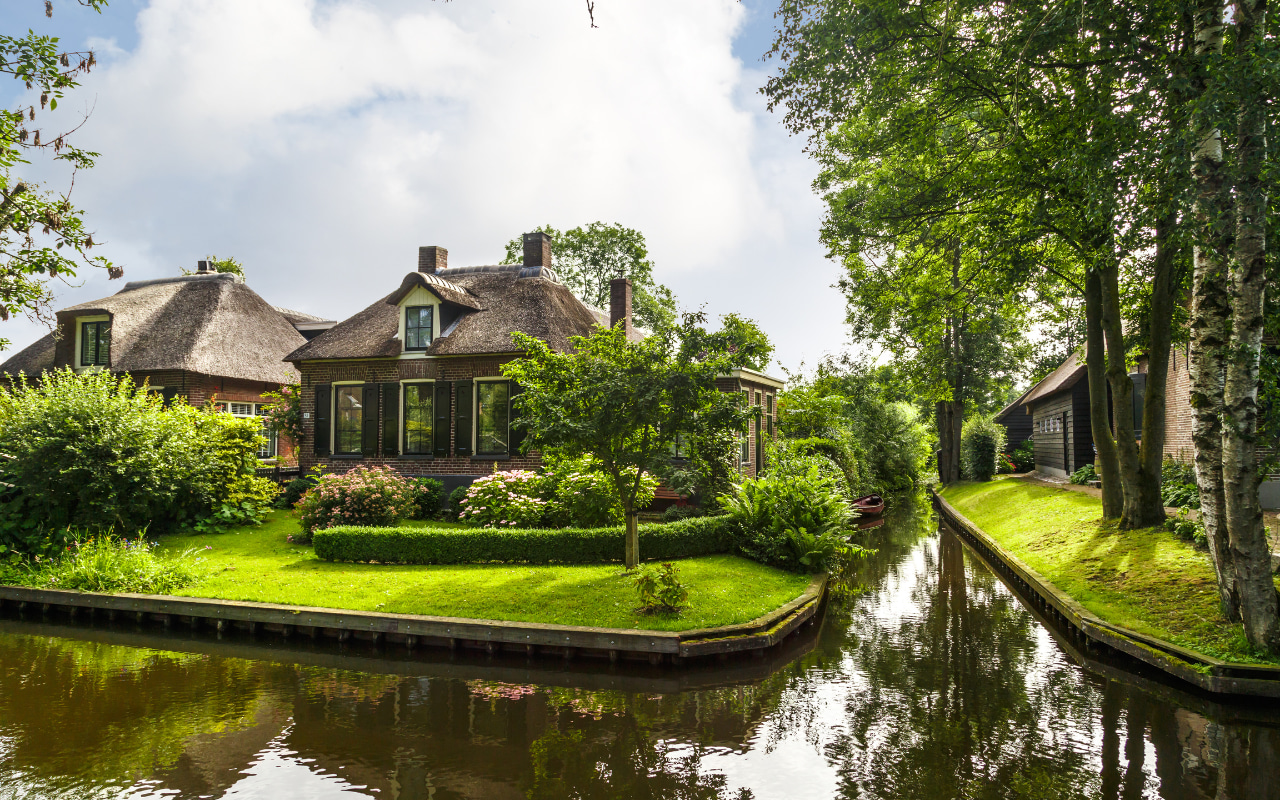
x=581 y=495
x=371 y=496
x=1083 y=475
x=227 y=265
x=1192 y=530
x=588 y=257
x=93 y=453
x=1178 y=487
x=982 y=441
x=429 y=497
x=42 y=235
x=1024 y=456
x=661 y=590
x=113 y=564
x=284 y=413
x=675 y=513
x=791 y=521
x=691 y=537
x=293 y=492
x=455 y=504
x=505 y=499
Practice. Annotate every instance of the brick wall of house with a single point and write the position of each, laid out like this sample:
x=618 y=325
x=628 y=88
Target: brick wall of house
x=1178 y=415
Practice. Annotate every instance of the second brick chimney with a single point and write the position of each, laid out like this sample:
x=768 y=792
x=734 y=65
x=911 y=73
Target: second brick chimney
x=620 y=304
x=537 y=250
x=432 y=259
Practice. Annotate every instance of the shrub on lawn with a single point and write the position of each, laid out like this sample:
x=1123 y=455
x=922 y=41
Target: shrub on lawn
x=95 y=453
x=782 y=519
x=1178 y=487
x=112 y=564
x=982 y=440
x=429 y=497
x=1024 y=456
x=661 y=590
x=692 y=537
x=580 y=494
x=375 y=496
x=1082 y=476
x=293 y=492
x=510 y=499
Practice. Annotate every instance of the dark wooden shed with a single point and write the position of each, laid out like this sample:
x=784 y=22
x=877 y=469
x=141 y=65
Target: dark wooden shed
x=1016 y=422
x=1059 y=411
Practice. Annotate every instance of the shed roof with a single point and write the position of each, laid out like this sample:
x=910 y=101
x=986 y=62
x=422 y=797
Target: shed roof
x=211 y=324
x=1064 y=377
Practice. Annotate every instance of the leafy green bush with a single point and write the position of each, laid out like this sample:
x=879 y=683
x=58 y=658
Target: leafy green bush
x=293 y=492
x=1189 y=529
x=93 y=453
x=981 y=442
x=429 y=497
x=455 y=504
x=371 y=496
x=505 y=499
x=1082 y=476
x=692 y=537
x=661 y=590
x=677 y=512
x=1024 y=456
x=784 y=519
x=111 y=564
x=1178 y=488
x=580 y=494
x=831 y=458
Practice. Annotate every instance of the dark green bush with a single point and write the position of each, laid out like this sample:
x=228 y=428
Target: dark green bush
x=692 y=537
x=1082 y=476
x=678 y=512
x=94 y=453
x=1024 y=456
x=456 y=505
x=981 y=442
x=293 y=491
x=429 y=497
x=1178 y=488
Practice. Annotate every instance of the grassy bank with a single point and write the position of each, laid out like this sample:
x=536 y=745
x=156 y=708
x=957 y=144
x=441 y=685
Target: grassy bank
x=1146 y=580
x=257 y=564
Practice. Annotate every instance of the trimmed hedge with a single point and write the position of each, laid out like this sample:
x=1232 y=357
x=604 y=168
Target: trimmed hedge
x=698 y=536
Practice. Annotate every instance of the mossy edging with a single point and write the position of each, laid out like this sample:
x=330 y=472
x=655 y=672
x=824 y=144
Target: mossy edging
x=412 y=630
x=1204 y=672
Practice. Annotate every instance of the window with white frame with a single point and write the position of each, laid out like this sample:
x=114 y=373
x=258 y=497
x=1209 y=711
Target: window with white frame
x=257 y=410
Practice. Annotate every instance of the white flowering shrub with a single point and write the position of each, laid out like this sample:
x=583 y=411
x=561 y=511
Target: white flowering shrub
x=583 y=496
x=505 y=500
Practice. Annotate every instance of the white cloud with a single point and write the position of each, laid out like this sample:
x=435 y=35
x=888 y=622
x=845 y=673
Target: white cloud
x=322 y=143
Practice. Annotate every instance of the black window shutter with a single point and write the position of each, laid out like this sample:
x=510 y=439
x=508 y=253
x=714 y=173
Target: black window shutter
x=320 y=433
x=462 y=425
x=517 y=428
x=390 y=419
x=169 y=394
x=369 y=420
x=442 y=410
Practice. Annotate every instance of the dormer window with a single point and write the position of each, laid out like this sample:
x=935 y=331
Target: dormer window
x=95 y=343
x=417 y=327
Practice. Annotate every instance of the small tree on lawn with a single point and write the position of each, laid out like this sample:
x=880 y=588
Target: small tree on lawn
x=628 y=403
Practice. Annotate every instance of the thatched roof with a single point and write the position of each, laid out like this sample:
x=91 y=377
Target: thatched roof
x=481 y=308
x=1061 y=379
x=209 y=324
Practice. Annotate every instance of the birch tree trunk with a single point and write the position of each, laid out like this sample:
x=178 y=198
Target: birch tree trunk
x=1095 y=360
x=1210 y=309
x=1247 y=535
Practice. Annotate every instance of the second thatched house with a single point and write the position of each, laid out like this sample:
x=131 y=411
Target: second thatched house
x=200 y=337
x=414 y=381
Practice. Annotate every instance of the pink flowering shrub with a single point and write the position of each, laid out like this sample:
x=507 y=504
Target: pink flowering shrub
x=375 y=496
x=505 y=500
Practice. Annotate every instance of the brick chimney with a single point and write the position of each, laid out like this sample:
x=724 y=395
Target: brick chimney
x=432 y=259
x=620 y=304
x=537 y=250
x=205 y=268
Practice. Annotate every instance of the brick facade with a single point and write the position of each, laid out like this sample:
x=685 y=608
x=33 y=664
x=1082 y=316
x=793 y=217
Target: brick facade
x=1178 y=415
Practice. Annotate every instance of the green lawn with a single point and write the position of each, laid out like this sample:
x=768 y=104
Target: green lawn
x=1147 y=580
x=257 y=564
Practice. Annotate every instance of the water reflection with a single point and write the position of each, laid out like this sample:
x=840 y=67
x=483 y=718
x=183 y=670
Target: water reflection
x=938 y=683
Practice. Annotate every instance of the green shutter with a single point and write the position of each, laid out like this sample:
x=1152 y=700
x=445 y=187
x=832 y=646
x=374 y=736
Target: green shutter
x=369 y=420
x=442 y=407
x=391 y=419
x=321 y=430
x=516 y=427
x=462 y=419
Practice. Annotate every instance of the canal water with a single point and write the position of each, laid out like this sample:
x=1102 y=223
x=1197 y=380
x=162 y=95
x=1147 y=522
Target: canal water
x=936 y=683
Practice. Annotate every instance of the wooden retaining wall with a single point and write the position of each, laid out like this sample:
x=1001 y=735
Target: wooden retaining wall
x=1090 y=631
x=411 y=630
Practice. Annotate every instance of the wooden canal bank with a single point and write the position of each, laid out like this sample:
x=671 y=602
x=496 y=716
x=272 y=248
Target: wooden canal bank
x=413 y=631
x=1091 y=633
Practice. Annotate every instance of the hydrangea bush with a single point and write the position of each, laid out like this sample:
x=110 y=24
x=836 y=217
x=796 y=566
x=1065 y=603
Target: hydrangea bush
x=584 y=496
x=510 y=499
x=372 y=496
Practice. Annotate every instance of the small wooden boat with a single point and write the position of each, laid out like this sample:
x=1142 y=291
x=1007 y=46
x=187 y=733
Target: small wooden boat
x=871 y=505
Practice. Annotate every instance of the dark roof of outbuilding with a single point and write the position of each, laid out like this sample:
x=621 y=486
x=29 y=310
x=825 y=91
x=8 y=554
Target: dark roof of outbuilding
x=494 y=302
x=210 y=324
x=1014 y=406
x=1062 y=378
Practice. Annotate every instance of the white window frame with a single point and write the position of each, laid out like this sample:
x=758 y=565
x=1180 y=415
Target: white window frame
x=75 y=359
x=431 y=299
x=400 y=442
x=255 y=412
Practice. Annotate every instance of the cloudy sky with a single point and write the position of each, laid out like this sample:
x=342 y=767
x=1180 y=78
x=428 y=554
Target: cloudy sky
x=320 y=142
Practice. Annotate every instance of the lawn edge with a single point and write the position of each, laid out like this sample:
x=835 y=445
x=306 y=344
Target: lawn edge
x=1205 y=672
x=533 y=638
